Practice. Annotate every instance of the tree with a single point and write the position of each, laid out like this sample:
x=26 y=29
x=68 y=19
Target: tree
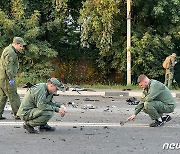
x=89 y=36
x=52 y=33
x=155 y=33
x=99 y=25
x=36 y=61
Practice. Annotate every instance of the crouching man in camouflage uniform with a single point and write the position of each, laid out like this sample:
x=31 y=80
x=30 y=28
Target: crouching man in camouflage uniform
x=38 y=106
x=157 y=99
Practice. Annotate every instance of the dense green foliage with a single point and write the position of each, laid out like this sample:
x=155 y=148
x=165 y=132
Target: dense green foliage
x=155 y=33
x=84 y=41
x=34 y=61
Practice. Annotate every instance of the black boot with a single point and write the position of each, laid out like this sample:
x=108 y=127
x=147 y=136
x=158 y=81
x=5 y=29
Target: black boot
x=2 y=118
x=17 y=118
x=30 y=129
x=46 y=127
x=166 y=118
x=157 y=123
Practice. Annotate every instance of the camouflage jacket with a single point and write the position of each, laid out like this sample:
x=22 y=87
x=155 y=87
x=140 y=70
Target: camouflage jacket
x=156 y=91
x=172 y=62
x=38 y=97
x=8 y=63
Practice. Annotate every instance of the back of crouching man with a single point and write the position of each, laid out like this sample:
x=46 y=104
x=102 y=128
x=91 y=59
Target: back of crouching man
x=38 y=106
x=156 y=100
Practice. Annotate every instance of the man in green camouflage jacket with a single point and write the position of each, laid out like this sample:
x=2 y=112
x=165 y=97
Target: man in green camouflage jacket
x=156 y=100
x=8 y=70
x=38 y=106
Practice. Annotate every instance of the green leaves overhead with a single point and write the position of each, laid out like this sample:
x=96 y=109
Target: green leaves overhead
x=33 y=20
x=147 y=53
x=155 y=33
x=93 y=31
x=98 y=23
x=17 y=9
x=29 y=26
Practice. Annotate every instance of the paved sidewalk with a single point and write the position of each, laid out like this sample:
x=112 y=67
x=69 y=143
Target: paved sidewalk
x=104 y=92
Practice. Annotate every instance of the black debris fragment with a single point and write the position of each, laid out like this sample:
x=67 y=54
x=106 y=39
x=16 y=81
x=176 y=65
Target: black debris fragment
x=89 y=134
x=81 y=128
x=58 y=119
x=17 y=127
x=121 y=123
x=106 y=109
x=126 y=89
x=88 y=99
x=28 y=85
x=132 y=101
x=72 y=104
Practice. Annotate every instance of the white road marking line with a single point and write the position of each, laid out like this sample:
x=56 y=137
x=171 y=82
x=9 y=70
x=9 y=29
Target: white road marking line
x=71 y=124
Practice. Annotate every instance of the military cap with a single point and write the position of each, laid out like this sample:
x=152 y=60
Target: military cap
x=56 y=82
x=19 y=40
x=174 y=54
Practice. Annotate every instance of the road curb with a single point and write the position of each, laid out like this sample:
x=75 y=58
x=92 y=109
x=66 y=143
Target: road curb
x=100 y=93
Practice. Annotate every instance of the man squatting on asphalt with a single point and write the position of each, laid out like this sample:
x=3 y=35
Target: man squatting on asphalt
x=38 y=106
x=156 y=100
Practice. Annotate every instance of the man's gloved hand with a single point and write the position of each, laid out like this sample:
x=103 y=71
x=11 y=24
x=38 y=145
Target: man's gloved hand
x=11 y=82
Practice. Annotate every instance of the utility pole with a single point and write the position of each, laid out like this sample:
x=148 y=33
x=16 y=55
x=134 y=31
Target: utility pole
x=128 y=42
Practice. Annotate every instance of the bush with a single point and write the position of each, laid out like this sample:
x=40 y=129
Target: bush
x=24 y=78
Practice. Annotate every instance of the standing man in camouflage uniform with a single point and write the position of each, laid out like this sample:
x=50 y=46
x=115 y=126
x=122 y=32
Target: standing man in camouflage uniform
x=38 y=106
x=8 y=70
x=156 y=100
x=170 y=70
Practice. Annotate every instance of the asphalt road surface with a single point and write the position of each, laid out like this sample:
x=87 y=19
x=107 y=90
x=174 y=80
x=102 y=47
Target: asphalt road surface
x=92 y=126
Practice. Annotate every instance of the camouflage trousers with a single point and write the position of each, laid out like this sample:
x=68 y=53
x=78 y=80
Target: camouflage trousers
x=8 y=91
x=155 y=109
x=37 y=117
x=169 y=79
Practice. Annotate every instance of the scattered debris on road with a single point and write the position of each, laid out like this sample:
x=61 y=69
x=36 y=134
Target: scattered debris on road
x=88 y=99
x=89 y=106
x=106 y=127
x=126 y=89
x=123 y=122
x=132 y=101
x=72 y=104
